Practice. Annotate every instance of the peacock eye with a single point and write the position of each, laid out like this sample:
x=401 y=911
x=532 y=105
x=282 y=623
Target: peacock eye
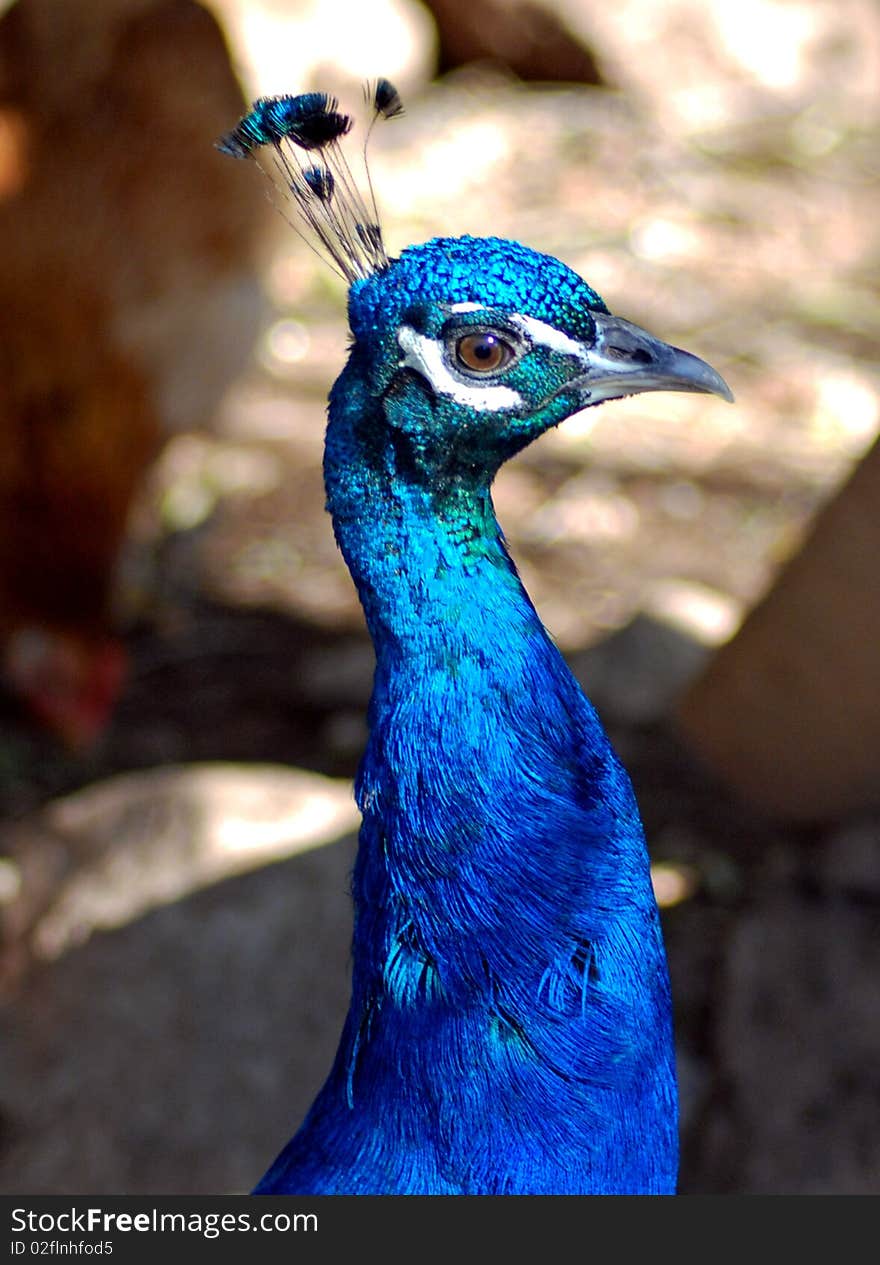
x=483 y=352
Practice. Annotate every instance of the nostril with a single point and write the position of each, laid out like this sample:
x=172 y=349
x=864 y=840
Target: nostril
x=635 y=355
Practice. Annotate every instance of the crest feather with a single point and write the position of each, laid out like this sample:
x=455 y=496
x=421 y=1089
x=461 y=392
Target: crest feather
x=301 y=137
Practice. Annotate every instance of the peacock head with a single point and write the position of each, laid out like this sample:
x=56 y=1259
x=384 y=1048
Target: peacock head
x=484 y=344
x=471 y=347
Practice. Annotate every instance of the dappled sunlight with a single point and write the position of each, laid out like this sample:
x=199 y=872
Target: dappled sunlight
x=111 y=852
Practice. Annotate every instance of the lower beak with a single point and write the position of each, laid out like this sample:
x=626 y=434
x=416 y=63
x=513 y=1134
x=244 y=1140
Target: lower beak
x=626 y=360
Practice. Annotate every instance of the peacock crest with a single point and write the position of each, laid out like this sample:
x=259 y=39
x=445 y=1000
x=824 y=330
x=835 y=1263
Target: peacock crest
x=298 y=140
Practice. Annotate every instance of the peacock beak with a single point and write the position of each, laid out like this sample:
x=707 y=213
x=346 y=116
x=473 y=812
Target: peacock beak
x=625 y=360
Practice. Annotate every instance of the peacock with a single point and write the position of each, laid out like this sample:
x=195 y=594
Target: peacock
x=510 y=1024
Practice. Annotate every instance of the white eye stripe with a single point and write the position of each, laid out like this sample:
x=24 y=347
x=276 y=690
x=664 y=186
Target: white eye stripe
x=426 y=357
x=547 y=336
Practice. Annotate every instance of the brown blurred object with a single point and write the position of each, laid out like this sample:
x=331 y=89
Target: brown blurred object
x=529 y=37
x=128 y=303
x=788 y=711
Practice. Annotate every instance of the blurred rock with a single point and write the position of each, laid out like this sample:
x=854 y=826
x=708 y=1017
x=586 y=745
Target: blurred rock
x=179 y=1052
x=788 y=711
x=528 y=37
x=798 y=1051
x=101 y=857
x=633 y=676
x=851 y=859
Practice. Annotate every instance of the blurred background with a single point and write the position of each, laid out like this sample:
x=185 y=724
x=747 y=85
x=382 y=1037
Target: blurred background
x=183 y=661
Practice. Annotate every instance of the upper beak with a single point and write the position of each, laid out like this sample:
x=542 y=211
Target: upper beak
x=624 y=360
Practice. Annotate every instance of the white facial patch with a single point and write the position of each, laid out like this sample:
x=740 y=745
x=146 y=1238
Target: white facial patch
x=426 y=357
x=546 y=336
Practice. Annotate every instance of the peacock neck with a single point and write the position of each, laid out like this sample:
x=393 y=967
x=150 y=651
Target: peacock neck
x=425 y=552
x=507 y=957
x=477 y=727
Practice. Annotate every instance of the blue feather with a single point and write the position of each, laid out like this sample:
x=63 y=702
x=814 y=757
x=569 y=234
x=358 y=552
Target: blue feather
x=311 y=120
x=320 y=181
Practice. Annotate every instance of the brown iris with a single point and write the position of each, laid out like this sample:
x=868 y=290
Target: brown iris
x=482 y=352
